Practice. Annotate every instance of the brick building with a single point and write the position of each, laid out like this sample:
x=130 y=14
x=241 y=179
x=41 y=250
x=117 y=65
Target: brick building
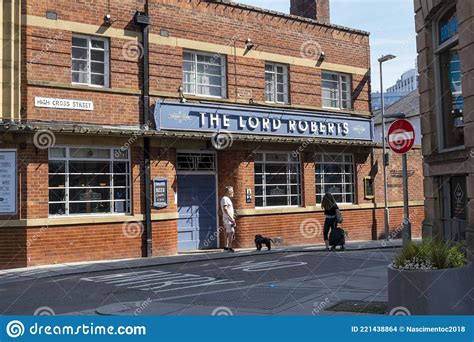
x=445 y=47
x=118 y=138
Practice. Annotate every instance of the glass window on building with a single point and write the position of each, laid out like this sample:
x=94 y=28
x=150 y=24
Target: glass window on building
x=277 y=180
x=335 y=174
x=204 y=74
x=450 y=86
x=88 y=181
x=336 y=90
x=276 y=83
x=90 y=61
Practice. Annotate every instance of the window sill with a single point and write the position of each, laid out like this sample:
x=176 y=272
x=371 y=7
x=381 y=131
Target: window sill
x=84 y=220
x=318 y=209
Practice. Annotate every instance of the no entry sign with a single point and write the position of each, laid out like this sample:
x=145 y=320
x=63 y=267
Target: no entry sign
x=401 y=136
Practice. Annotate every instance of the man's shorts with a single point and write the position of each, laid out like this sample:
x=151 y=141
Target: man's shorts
x=229 y=227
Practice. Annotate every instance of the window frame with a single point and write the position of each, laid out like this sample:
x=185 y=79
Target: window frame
x=339 y=84
x=128 y=180
x=106 y=50
x=342 y=175
x=437 y=51
x=288 y=184
x=286 y=86
x=223 y=75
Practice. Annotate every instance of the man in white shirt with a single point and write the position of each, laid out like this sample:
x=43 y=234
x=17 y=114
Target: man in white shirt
x=228 y=218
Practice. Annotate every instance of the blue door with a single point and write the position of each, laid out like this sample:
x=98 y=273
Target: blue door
x=197 y=222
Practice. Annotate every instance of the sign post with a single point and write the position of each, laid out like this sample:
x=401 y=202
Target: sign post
x=401 y=137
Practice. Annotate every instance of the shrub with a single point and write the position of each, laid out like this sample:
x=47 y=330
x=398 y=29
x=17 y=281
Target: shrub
x=430 y=255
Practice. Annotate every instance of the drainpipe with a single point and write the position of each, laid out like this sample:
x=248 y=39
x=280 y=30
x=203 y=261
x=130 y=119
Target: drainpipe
x=142 y=19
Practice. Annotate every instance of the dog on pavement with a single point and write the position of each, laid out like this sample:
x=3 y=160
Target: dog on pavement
x=260 y=241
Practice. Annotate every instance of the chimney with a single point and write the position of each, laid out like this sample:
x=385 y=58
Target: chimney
x=312 y=9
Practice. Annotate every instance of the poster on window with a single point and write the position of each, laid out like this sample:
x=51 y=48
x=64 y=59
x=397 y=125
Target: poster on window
x=458 y=198
x=7 y=181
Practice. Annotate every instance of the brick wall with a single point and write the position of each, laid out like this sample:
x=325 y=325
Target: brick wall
x=307 y=228
x=47 y=51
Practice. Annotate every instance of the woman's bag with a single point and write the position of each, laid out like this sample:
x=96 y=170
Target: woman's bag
x=339 y=217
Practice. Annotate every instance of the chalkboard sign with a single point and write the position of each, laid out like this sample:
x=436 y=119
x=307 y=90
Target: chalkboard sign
x=160 y=193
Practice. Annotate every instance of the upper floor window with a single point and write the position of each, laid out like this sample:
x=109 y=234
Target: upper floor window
x=450 y=81
x=90 y=59
x=276 y=83
x=336 y=89
x=204 y=74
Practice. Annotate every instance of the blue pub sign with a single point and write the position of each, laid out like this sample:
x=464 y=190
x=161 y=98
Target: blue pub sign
x=198 y=117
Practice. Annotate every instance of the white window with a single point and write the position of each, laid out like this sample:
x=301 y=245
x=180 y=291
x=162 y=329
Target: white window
x=335 y=174
x=90 y=61
x=204 y=74
x=336 y=89
x=277 y=180
x=276 y=83
x=85 y=180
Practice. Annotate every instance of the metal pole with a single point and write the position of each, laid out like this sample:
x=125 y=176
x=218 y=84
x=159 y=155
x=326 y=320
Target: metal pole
x=406 y=214
x=384 y=160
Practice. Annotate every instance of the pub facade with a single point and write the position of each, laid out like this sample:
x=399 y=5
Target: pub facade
x=123 y=122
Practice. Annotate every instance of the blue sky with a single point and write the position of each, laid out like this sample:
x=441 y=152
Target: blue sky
x=390 y=22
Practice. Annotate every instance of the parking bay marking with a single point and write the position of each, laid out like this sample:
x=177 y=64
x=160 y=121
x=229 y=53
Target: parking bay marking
x=159 y=281
x=250 y=266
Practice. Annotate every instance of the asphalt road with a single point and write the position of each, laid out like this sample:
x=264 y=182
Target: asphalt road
x=294 y=283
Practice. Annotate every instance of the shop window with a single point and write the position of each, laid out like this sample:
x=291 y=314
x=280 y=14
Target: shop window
x=450 y=85
x=90 y=59
x=336 y=90
x=276 y=83
x=204 y=74
x=335 y=174
x=87 y=181
x=277 y=180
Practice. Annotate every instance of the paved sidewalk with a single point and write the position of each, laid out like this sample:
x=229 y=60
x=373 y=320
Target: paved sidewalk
x=39 y=272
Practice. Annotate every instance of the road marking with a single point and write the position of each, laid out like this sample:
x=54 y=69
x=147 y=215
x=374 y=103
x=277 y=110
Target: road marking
x=159 y=281
x=250 y=266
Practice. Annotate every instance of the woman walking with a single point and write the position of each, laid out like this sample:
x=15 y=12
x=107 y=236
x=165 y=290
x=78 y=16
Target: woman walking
x=330 y=211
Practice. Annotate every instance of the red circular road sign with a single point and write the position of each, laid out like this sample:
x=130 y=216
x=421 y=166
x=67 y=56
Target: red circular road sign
x=401 y=136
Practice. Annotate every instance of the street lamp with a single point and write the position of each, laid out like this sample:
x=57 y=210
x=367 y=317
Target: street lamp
x=382 y=60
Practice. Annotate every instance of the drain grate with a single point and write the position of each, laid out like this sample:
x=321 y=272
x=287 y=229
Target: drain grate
x=360 y=306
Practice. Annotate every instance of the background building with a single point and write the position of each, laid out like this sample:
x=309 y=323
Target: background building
x=124 y=144
x=407 y=83
x=410 y=106
x=445 y=47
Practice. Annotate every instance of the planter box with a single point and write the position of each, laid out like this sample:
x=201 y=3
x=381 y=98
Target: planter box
x=437 y=292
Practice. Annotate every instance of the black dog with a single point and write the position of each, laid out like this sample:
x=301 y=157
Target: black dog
x=260 y=241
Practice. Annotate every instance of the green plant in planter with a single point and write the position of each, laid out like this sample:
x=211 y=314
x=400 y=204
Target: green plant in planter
x=430 y=255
